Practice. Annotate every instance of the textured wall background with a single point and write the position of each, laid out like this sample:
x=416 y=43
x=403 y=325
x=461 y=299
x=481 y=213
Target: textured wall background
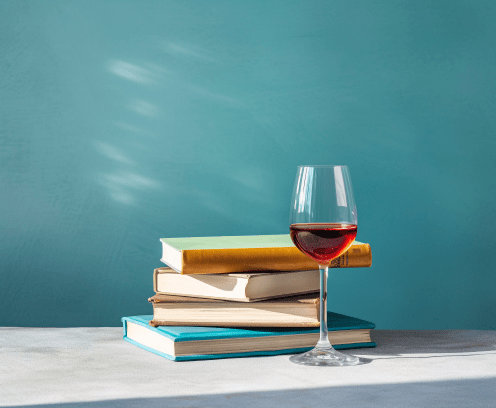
x=125 y=121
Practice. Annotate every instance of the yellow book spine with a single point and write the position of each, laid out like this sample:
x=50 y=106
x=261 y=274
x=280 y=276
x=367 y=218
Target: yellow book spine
x=207 y=261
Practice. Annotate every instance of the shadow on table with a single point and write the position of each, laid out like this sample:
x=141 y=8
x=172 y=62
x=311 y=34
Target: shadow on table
x=459 y=393
x=414 y=342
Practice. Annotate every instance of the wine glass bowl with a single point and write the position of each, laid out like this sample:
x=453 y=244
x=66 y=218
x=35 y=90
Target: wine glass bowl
x=323 y=242
x=323 y=225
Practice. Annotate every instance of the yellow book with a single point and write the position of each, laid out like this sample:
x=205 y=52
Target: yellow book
x=251 y=253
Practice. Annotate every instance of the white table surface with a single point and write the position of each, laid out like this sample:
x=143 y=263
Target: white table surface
x=94 y=367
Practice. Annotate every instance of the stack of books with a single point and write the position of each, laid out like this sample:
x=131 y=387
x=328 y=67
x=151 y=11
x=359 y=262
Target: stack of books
x=241 y=296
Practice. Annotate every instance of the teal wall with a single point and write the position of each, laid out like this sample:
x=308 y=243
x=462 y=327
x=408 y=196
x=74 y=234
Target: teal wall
x=125 y=121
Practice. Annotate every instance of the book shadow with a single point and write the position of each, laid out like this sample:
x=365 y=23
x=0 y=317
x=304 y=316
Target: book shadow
x=454 y=393
x=413 y=343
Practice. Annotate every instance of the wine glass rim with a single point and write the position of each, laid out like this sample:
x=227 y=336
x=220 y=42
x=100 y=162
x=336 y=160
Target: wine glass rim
x=324 y=165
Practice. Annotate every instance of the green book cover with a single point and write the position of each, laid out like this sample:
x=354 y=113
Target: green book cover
x=226 y=242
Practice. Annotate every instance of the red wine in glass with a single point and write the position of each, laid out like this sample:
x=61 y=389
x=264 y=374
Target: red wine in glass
x=324 y=241
x=323 y=225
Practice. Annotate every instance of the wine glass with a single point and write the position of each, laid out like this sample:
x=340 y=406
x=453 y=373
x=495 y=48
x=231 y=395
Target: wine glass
x=323 y=225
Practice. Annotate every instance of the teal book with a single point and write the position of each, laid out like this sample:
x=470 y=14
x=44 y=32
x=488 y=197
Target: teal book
x=182 y=343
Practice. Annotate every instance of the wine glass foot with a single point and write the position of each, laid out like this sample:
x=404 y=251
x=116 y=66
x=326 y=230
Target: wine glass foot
x=327 y=356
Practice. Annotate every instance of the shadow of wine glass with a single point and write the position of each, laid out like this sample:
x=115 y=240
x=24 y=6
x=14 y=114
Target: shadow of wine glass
x=364 y=360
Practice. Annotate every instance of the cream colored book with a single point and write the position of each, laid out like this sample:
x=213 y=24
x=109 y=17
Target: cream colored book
x=240 y=287
x=250 y=253
x=296 y=311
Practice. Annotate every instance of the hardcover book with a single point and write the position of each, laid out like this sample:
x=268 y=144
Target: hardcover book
x=296 y=311
x=240 y=287
x=202 y=343
x=251 y=253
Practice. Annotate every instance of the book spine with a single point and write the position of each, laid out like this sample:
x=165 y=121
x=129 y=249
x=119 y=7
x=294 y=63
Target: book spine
x=208 y=261
x=155 y=278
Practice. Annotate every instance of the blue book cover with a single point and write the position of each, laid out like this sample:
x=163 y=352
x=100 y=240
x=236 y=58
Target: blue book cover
x=181 y=343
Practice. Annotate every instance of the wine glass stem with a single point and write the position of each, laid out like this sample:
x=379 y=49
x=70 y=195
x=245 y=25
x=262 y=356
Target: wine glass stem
x=324 y=340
